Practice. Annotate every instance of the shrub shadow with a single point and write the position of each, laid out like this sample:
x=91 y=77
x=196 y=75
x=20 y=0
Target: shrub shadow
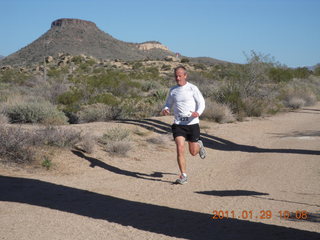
x=214 y=142
x=168 y=221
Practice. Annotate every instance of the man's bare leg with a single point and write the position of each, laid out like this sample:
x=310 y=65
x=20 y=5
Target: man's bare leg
x=194 y=148
x=180 y=141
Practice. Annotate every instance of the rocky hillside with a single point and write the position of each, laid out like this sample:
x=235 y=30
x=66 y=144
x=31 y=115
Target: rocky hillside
x=75 y=37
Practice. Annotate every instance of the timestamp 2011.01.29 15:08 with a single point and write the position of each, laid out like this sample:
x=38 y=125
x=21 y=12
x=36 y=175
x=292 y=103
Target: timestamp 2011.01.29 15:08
x=262 y=214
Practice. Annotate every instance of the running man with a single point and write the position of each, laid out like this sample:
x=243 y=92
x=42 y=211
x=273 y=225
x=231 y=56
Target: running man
x=188 y=104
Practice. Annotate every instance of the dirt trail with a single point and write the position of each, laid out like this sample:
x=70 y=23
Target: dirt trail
x=257 y=173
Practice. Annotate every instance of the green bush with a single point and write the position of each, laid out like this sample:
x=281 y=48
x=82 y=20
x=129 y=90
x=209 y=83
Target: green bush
x=280 y=74
x=184 y=60
x=13 y=76
x=96 y=112
x=35 y=112
x=317 y=70
x=70 y=97
x=301 y=72
x=56 y=72
x=105 y=98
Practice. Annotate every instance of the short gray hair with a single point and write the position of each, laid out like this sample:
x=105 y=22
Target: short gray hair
x=180 y=67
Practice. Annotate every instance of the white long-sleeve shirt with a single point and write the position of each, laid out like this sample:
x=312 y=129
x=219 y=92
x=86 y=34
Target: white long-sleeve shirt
x=185 y=100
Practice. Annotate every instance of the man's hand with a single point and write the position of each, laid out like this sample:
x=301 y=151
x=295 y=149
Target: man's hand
x=165 y=112
x=195 y=114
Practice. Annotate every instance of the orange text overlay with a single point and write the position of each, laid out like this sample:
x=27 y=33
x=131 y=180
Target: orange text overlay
x=262 y=214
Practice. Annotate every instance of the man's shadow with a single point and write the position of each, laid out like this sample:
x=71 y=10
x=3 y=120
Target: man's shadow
x=214 y=142
x=155 y=176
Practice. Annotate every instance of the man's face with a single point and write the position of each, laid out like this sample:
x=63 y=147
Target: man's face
x=181 y=77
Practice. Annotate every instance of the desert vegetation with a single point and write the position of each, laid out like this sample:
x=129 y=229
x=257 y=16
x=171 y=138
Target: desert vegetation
x=81 y=89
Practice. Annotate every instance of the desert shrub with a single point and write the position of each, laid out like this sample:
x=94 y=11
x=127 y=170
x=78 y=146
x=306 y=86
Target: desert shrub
x=152 y=72
x=115 y=134
x=13 y=76
x=35 y=112
x=71 y=97
x=105 y=98
x=230 y=94
x=160 y=94
x=20 y=145
x=166 y=67
x=295 y=102
x=254 y=107
x=96 y=112
x=56 y=136
x=184 y=60
x=298 y=94
x=120 y=148
x=56 y=72
x=217 y=112
x=301 y=72
x=49 y=90
x=116 y=141
x=206 y=85
x=46 y=162
x=200 y=66
x=15 y=145
x=87 y=143
x=78 y=59
x=3 y=119
x=140 y=108
x=150 y=85
x=280 y=74
x=317 y=70
x=137 y=65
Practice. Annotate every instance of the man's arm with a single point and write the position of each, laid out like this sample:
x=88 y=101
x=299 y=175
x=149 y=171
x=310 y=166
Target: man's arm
x=169 y=102
x=200 y=103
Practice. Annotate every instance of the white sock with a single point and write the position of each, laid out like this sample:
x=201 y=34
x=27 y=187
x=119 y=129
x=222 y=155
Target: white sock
x=184 y=174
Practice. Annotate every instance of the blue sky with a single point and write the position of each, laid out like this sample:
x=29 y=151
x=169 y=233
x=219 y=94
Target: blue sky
x=288 y=30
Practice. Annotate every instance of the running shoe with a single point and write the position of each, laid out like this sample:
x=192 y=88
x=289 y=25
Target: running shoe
x=202 y=151
x=182 y=179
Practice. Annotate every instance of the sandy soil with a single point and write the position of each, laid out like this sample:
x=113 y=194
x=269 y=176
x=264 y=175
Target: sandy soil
x=256 y=173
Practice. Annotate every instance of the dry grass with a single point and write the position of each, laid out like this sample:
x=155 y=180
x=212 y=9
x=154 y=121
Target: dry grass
x=220 y=113
x=116 y=141
x=87 y=143
x=3 y=119
x=18 y=145
x=15 y=145
x=162 y=139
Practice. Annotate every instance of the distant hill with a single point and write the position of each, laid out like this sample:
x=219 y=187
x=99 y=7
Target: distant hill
x=2 y=56
x=76 y=37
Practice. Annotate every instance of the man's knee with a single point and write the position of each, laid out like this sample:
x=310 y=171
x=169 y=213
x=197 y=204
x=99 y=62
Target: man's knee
x=193 y=152
x=193 y=149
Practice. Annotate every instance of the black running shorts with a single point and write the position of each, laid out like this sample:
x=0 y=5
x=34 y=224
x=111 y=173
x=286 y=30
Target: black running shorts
x=190 y=132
